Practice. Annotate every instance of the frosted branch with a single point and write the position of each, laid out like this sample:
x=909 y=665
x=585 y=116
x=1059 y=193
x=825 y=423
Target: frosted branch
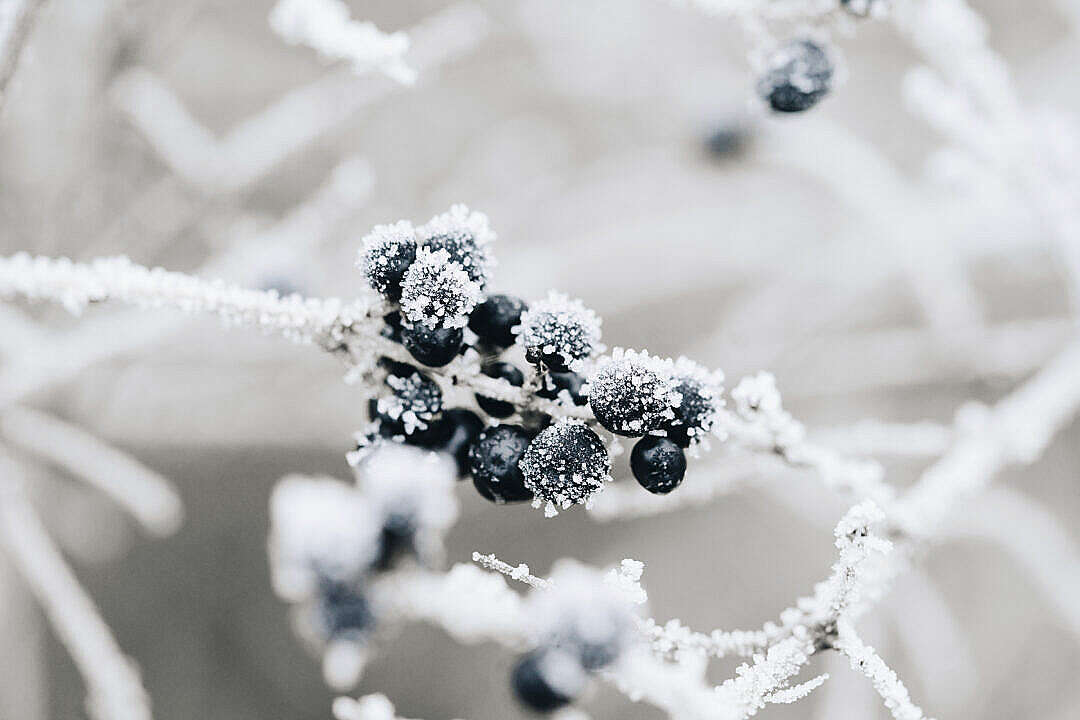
x=114 y=690
x=148 y=496
x=325 y=26
x=519 y=572
x=888 y=685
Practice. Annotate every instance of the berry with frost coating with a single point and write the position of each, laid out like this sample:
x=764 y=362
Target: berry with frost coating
x=493 y=461
x=494 y=319
x=466 y=238
x=509 y=373
x=559 y=332
x=547 y=679
x=437 y=291
x=633 y=393
x=554 y=384
x=398 y=537
x=387 y=253
x=566 y=463
x=658 y=464
x=799 y=74
x=433 y=347
x=416 y=400
x=464 y=427
x=696 y=414
x=343 y=609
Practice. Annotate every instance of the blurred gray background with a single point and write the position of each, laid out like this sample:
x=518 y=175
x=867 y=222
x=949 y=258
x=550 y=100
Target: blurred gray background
x=580 y=127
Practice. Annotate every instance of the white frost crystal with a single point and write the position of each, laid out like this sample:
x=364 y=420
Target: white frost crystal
x=466 y=236
x=437 y=291
x=633 y=393
x=385 y=255
x=567 y=463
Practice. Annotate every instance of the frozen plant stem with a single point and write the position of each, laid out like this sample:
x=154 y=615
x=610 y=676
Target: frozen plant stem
x=114 y=690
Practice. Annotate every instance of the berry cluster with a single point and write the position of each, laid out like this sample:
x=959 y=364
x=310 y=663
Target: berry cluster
x=330 y=539
x=540 y=438
x=583 y=625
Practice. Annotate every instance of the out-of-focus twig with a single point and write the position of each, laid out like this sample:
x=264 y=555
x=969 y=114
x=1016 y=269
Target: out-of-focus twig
x=16 y=20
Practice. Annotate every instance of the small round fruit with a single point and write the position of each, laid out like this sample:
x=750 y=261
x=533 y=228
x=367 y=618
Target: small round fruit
x=559 y=332
x=493 y=319
x=385 y=256
x=546 y=680
x=466 y=238
x=565 y=464
x=633 y=393
x=658 y=464
x=799 y=74
x=415 y=399
x=506 y=371
x=437 y=291
x=433 y=347
x=697 y=412
x=493 y=461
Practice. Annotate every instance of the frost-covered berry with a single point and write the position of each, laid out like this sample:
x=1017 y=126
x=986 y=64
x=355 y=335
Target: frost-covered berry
x=466 y=238
x=553 y=384
x=797 y=76
x=696 y=414
x=658 y=464
x=507 y=372
x=547 y=679
x=565 y=464
x=397 y=538
x=559 y=332
x=415 y=401
x=493 y=319
x=343 y=609
x=633 y=393
x=433 y=347
x=493 y=461
x=386 y=254
x=438 y=292
x=464 y=427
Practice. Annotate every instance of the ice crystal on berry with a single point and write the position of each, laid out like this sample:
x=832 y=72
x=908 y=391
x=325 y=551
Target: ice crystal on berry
x=560 y=332
x=386 y=254
x=701 y=391
x=437 y=291
x=415 y=402
x=466 y=237
x=633 y=393
x=565 y=464
x=798 y=75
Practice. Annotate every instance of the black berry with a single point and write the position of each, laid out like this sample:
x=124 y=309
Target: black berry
x=566 y=464
x=464 y=427
x=415 y=399
x=554 y=383
x=493 y=319
x=799 y=74
x=633 y=393
x=437 y=292
x=343 y=609
x=396 y=539
x=559 y=332
x=465 y=237
x=658 y=464
x=493 y=461
x=532 y=686
x=696 y=413
x=506 y=371
x=387 y=253
x=433 y=347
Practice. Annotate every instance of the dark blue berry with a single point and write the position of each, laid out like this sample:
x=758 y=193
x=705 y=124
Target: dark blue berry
x=566 y=463
x=658 y=464
x=433 y=347
x=555 y=382
x=344 y=609
x=532 y=689
x=695 y=414
x=392 y=329
x=493 y=319
x=506 y=371
x=397 y=539
x=493 y=462
x=800 y=73
x=385 y=262
x=462 y=249
x=464 y=427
